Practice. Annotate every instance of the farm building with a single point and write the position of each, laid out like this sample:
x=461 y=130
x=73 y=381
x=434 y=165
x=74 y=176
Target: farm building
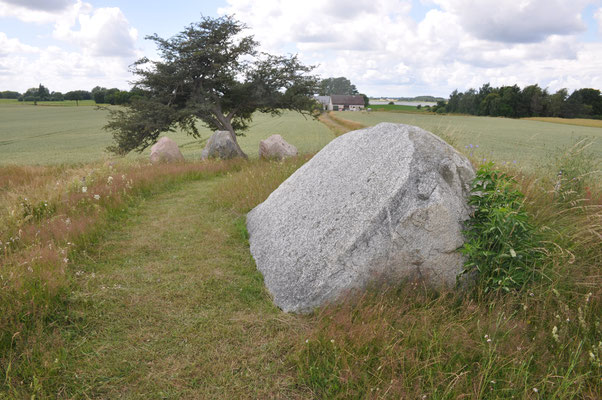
x=326 y=102
x=345 y=102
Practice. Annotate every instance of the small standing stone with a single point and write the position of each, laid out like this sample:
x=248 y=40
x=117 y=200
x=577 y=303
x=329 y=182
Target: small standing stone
x=165 y=150
x=221 y=145
x=275 y=147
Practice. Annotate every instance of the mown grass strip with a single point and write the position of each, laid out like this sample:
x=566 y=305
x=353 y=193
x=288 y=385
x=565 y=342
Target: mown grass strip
x=38 y=249
x=339 y=125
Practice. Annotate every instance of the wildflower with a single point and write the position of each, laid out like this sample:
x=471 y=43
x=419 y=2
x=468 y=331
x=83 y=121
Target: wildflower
x=477 y=146
x=535 y=390
x=96 y=197
x=65 y=260
x=109 y=180
x=470 y=146
x=488 y=340
x=582 y=318
x=84 y=189
x=67 y=221
x=332 y=341
x=306 y=340
x=514 y=162
x=555 y=334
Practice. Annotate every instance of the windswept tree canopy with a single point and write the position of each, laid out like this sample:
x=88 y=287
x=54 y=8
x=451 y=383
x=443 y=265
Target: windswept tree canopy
x=209 y=72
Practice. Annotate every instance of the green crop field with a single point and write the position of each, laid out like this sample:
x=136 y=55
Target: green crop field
x=52 y=135
x=529 y=143
x=395 y=108
x=64 y=103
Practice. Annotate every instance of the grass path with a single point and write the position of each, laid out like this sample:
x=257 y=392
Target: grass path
x=339 y=125
x=173 y=307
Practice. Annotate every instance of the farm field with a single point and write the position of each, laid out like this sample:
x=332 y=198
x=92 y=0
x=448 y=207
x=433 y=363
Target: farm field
x=55 y=135
x=141 y=285
x=595 y=123
x=529 y=143
x=64 y=103
x=395 y=108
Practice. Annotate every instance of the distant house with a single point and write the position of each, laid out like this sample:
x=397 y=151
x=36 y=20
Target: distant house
x=345 y=102
x=326 y=102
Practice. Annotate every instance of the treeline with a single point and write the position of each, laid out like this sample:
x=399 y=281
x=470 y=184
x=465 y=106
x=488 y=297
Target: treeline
x=531 y=101
x=100 y=95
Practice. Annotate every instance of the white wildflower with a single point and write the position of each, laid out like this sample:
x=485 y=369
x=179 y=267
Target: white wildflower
x=555 y=334
x=84 y=189
x=109 y=180
x=535 y=390
x=96 y=197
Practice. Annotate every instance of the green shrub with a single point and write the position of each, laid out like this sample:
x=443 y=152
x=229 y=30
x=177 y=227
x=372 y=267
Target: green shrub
x=501 y=243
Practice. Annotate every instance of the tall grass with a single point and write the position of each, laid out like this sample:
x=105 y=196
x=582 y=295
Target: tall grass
x=412 y=341
x=402 y=341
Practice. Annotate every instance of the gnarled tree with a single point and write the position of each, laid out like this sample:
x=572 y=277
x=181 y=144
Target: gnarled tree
x=210 y=73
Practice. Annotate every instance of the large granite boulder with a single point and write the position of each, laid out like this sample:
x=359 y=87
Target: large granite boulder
x=165 y=150
x=377 y=204
x=221 y=145
x=275 y=147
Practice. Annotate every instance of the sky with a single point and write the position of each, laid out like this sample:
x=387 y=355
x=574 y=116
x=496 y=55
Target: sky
x=394 y=48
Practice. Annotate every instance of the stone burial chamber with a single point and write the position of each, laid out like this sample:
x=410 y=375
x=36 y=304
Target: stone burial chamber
x=378 y=204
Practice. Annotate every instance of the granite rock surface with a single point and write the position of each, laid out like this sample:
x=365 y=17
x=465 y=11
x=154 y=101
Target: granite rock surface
x=377 y=204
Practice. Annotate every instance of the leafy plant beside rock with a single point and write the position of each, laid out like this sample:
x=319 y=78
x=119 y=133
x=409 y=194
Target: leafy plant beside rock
x=501 y=245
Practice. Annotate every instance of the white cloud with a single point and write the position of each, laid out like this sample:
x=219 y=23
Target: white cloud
x=24 y=66
x=40 y=5
x=104 y=32
x=517 y=21
x=102 y=45
x=462 y=43
x=43 y=12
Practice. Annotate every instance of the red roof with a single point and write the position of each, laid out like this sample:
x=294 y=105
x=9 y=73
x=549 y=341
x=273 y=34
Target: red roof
x=347 y=100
